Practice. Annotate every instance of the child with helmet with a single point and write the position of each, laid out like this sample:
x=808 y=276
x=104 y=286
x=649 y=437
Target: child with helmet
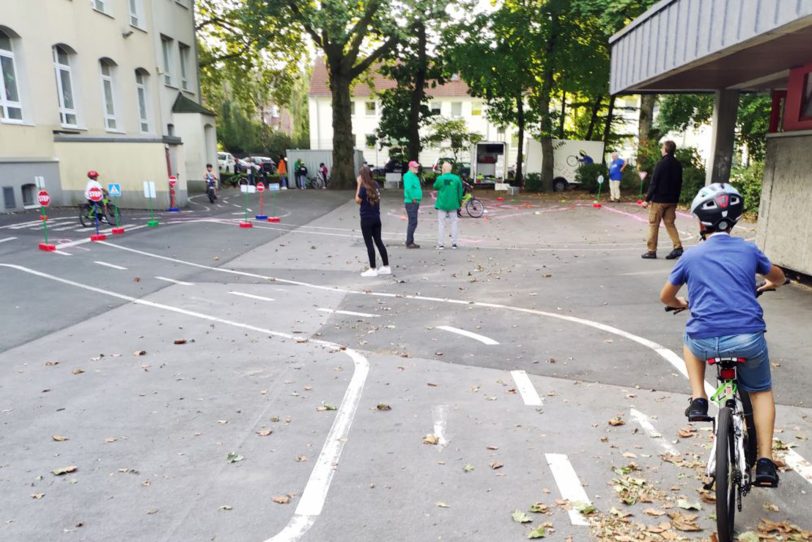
x=726 y=320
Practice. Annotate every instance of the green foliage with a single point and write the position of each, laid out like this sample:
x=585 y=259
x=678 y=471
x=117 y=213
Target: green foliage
x=588 y=174
x=428 y=178
x=532 y=183
x=748 y=181
x=452 y=135
x=678 y=112
x=239 y=134
x=693 y=173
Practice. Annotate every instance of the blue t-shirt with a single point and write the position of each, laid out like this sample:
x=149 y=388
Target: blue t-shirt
x=721 y=277
x=614 y=169
x=369 y=211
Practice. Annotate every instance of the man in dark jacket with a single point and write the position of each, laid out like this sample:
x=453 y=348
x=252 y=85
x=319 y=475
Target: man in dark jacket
x=661 y=199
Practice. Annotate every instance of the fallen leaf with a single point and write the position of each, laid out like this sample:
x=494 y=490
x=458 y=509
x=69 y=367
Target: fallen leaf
x=584 y=508
x=110 y=440
x=521 y=517
x=78 y=371
x=59 y=438
x=225 y=507
x=37 y=496
x=51 y=363
x=65 y=470
x=325 y=406
x=234 y=457
x=140 y=353
x=180 y=341
x=653 y=512
x=281 y=499
x=686 y=432
x=301 y=458
x=152 y=511
x=383 y=406
x=538 y=532
x=616 y=421
x=468 y=468
x=496 y=465
x=441 y=504
x=684 y=522
x=748 y=536
x=687 y=505
x=431 y=439
x=264 y=432
x=539 y=508
x=770 y=507
x=629 y=455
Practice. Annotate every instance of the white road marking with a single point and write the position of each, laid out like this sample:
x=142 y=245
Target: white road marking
x=112 y=265
x=7 y=239
x=63 y=228
x=173 y=281
x=440 y=415
x=87 y=240
x=349 y=313
x=526 y=389
x=252 y=296
x=662 y=351
x=62 y=253
x=799 y=464
x=315 y=492
x=471 y=335
x=569 y=485
x=651 y=431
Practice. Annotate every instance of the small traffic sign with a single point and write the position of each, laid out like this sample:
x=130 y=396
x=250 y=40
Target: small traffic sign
x=260 y=187
x=44 y=198
x=173 y=181
x=114 y=189
x=95 y=194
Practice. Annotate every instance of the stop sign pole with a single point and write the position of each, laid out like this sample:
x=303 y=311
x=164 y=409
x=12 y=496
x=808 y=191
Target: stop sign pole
x=44 y=200
x=173 y=181
x=95 y=195
x=261 y=190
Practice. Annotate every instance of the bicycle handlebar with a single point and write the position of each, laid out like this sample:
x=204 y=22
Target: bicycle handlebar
x=677 y=310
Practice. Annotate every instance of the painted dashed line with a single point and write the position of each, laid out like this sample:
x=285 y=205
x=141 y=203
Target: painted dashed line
x=644 y=421
x=7 y=239
x=111 y=265
x=349 y=313
x=799 y=464
x=470 y=334
x=252 y=296
x=529 y=394
x=62 y=253
x=173 y=281
x=568 y=485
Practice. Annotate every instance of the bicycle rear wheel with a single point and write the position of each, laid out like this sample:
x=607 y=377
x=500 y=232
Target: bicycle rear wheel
x=85 y=215
x=475 y=208
x=725 y=475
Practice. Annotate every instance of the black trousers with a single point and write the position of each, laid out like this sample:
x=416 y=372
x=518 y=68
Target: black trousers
x=411 y=212
x=371 y=230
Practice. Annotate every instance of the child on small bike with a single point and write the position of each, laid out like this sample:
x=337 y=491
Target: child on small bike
x=726 y=320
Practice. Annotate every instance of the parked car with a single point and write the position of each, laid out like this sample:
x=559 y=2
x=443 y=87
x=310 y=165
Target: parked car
x=244 y=165
x=265 y=163
x=226 y=162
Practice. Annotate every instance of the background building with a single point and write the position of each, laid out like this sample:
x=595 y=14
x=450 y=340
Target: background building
x=109 y=85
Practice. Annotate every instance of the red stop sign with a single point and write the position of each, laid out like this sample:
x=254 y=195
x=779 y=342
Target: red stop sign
x=95 y=194
x=260 y=187
x=44 y=198
x=172 y=181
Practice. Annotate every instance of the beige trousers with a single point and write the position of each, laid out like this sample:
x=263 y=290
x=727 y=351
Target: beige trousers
x=667 y=213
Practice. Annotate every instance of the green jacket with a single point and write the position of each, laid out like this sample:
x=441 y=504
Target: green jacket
x=411 y=188
x=449 y=192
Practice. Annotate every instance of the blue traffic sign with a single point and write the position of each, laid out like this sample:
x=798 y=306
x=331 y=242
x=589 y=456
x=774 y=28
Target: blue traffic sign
x=114 y=190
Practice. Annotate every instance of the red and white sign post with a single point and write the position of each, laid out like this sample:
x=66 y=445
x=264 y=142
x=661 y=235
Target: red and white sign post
x=261 y=190
x=95 y=195
x=173 y=181
x=44 y=200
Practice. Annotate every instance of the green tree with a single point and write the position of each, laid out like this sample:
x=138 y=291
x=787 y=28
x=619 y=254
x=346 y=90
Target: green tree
x=453 y=135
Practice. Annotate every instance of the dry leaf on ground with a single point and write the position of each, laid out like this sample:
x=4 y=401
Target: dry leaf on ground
x=281 y=499
x=65 y=470
x=616 y=421
x=431 y=439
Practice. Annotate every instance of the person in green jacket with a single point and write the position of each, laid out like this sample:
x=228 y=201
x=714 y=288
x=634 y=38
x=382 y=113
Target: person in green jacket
x=449 y=200
x=412 y=194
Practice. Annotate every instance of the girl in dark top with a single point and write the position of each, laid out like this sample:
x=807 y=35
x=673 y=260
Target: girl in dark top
x=368 y=196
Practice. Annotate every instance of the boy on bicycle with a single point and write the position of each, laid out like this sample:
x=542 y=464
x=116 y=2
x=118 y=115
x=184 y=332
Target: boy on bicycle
x=726 y=320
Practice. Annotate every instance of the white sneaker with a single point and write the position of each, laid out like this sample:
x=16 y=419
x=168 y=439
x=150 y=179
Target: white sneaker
x=440 y=247
x=454 y=246
x=370 y=273
x=385 y=270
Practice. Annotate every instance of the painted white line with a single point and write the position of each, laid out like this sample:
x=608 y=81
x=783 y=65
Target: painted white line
x=651 y=431
x=349 y=313
x=63 y=228
x=252 y=296
x=569 y=485
x=526 y=389
x=440 y=415
x=112 y=265
x=22 y=225
x=799 y=464
x=315 y=492
x=62 y=253
x=7 y=239
x=481 y=338
x=173 y=281
x=87 y=240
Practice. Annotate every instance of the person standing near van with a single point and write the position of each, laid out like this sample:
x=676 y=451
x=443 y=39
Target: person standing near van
x=449 y=201
x=412 y=194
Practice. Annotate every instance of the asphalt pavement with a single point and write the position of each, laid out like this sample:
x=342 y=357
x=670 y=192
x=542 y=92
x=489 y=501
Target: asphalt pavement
x=202 y=381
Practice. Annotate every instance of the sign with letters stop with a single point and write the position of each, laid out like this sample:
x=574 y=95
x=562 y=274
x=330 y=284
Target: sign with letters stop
x=44 y=198
x=95 y=194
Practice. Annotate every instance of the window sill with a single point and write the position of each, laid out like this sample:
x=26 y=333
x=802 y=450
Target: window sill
x=13 y=122
x=139 y=28
x=104 y=13
x=120 y=132
x=171 y=85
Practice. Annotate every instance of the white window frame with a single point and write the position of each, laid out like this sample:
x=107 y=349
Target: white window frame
x=136 y=13
x=142 y=89
x=166 y=51
x=5 y=103
x=436 y=108
x=476 y=108
x=185 y=53
x=374 y=108
x=102 y=6
x=458 y=114
x=59 y=68
x=108 y=81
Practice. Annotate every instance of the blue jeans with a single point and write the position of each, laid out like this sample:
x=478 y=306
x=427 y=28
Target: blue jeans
x=754 y=374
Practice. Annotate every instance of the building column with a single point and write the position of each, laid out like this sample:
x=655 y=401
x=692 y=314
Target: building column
x=725 y=107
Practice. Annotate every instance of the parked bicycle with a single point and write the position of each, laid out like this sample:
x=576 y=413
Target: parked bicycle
x=472 y=205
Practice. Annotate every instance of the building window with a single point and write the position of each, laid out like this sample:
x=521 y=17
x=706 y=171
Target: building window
x=8 y=197
x=166 y=47
x=141 y=78
x=108 y=93
x=184 y=65
x=476 y=109
x=64 y=86
x=29 y=195
x=806 y=108
x=102 y=5
x=136 y=12
x=352 y=107
x=436 y=108
x=370 y=108
x=456 y=109
x=11 y=109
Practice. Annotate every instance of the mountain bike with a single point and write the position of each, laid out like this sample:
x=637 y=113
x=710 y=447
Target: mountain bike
x=87 y=212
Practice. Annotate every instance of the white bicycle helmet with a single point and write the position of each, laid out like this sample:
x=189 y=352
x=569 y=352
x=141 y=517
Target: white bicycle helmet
x=718 y=207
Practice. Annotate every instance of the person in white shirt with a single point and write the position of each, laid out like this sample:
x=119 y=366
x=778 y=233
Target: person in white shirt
x=92 y=182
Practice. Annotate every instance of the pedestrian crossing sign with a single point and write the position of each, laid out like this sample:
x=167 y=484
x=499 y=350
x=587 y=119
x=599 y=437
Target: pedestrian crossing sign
x=114 y=189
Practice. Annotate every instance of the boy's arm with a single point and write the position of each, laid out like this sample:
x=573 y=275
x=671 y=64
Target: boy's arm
x=774 y=279
x=668 y=295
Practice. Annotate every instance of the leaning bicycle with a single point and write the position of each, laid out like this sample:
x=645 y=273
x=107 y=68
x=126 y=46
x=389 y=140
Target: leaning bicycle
x=472 y=205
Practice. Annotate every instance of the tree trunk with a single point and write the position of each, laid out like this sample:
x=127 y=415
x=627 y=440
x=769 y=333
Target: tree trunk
x=607 y=127
x=563 y=115
x=593 y=119
x=545 y=114
x=417 y=95
x=519 y=179
x=343 y=174
x=644 y=123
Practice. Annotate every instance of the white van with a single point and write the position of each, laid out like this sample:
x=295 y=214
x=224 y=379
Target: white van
x=568 y=155
x=226 y=162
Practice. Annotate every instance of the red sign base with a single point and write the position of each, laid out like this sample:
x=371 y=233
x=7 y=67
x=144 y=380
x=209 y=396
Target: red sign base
x=98 y=237
x=597 y=205
x=47 y=247
x=640 y=202
x=246 y=225
x=118 y=231
x=500 y=198
x=273 y=219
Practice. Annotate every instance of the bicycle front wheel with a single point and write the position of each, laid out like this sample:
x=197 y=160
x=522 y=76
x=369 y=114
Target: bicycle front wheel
x=725 y=475
x=112 y=210
x=475 y=208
